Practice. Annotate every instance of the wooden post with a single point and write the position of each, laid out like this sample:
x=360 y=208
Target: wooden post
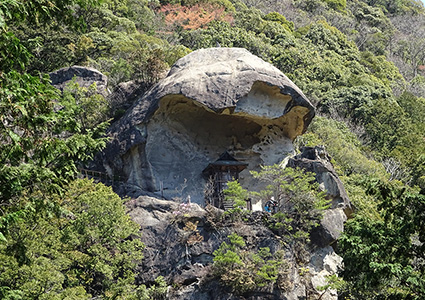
x=248 y=204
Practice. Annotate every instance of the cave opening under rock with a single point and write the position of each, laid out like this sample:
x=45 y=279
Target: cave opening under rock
x=184 y=136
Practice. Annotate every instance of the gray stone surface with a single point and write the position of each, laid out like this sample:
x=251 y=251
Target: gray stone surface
x=317 y=161
x=85 y=77
x=125 y=94
x=330 y=229
x=213 y=100
x=324 y=262
x=187 y=267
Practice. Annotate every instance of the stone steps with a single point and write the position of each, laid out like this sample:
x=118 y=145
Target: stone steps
x=227 y=205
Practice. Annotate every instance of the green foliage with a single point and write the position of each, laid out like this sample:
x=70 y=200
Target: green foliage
x=246 y=271
x=333 y=282
x=386 y=253
x=276 y=17
x=158 y=291
x=39 y=151
x=300 y=205
x=317 y=5
x=238 y=196
x=282 y=224
x=397 y=6
x=43 y=11
x=87 y=248
x=13 y=55
x=134 y=56
x=381 y=68
x=298 y=196
x=39 y=146
x=337 y=4
x=88 y=107
x=394 y=134
x=31 y=153
x=343 y=146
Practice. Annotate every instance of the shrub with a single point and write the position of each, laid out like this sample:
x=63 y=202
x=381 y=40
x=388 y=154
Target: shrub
x=246 y=271
x=238 y=195
x=297 y=194
x=87 y=249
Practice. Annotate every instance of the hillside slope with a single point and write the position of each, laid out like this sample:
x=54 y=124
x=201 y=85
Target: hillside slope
x=361 y=63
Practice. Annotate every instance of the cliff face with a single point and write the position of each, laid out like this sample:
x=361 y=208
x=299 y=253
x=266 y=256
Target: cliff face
x=213 y=100
x=217 y=100
x=184 y=256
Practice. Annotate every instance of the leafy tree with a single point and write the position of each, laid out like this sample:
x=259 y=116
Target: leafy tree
x=374 y=29
x=397 y=6
x=246 y=271
x=14 y=12
x=297 y=194
x=87 y=248
x=237 y=195
x=39 y=146
x=300 y=205
x=88 y=107
x=386 y=253
x=337 y=4
x=276 y=17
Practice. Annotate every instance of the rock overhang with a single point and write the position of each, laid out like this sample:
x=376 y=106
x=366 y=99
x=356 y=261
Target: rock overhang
x=224 y=78
x=214 y=99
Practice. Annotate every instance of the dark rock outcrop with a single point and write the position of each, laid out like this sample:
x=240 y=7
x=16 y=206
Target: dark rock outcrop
x=187 y=267
x=125 y=94
x=84 y=76
x=318 y=162
x=213 y=100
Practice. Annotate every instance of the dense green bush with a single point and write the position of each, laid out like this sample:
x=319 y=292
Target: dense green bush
x=248 y=270
x=85 y=247
x=386 y=252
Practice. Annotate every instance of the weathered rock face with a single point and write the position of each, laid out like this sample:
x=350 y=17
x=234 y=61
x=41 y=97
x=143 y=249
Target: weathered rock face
x=317 y=161
x=213 y=100
x=125 y=94
x=85 y=77
x=187 y=267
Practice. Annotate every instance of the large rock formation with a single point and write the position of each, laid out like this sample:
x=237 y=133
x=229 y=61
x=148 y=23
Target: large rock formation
x=84 y=76
x=317 y=161
x=213 y=100
x=187 y=266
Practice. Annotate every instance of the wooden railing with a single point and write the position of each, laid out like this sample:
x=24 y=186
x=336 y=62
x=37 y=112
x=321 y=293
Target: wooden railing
x=100 y=176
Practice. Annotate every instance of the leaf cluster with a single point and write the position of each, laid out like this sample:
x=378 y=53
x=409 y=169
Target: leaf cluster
x=87 y=248
x=237 y=195
x=386 y=252
x=298 y=196
x=41 y=141
x=247 y=270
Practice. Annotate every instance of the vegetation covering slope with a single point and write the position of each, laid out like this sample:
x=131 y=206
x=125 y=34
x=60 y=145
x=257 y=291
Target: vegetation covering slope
x=361 y=62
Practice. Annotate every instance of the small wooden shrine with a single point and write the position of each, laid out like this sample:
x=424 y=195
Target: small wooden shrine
x=223 y=170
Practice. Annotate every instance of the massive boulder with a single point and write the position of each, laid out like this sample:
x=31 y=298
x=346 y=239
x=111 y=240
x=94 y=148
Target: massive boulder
x=317 y=161
x=213 y=100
